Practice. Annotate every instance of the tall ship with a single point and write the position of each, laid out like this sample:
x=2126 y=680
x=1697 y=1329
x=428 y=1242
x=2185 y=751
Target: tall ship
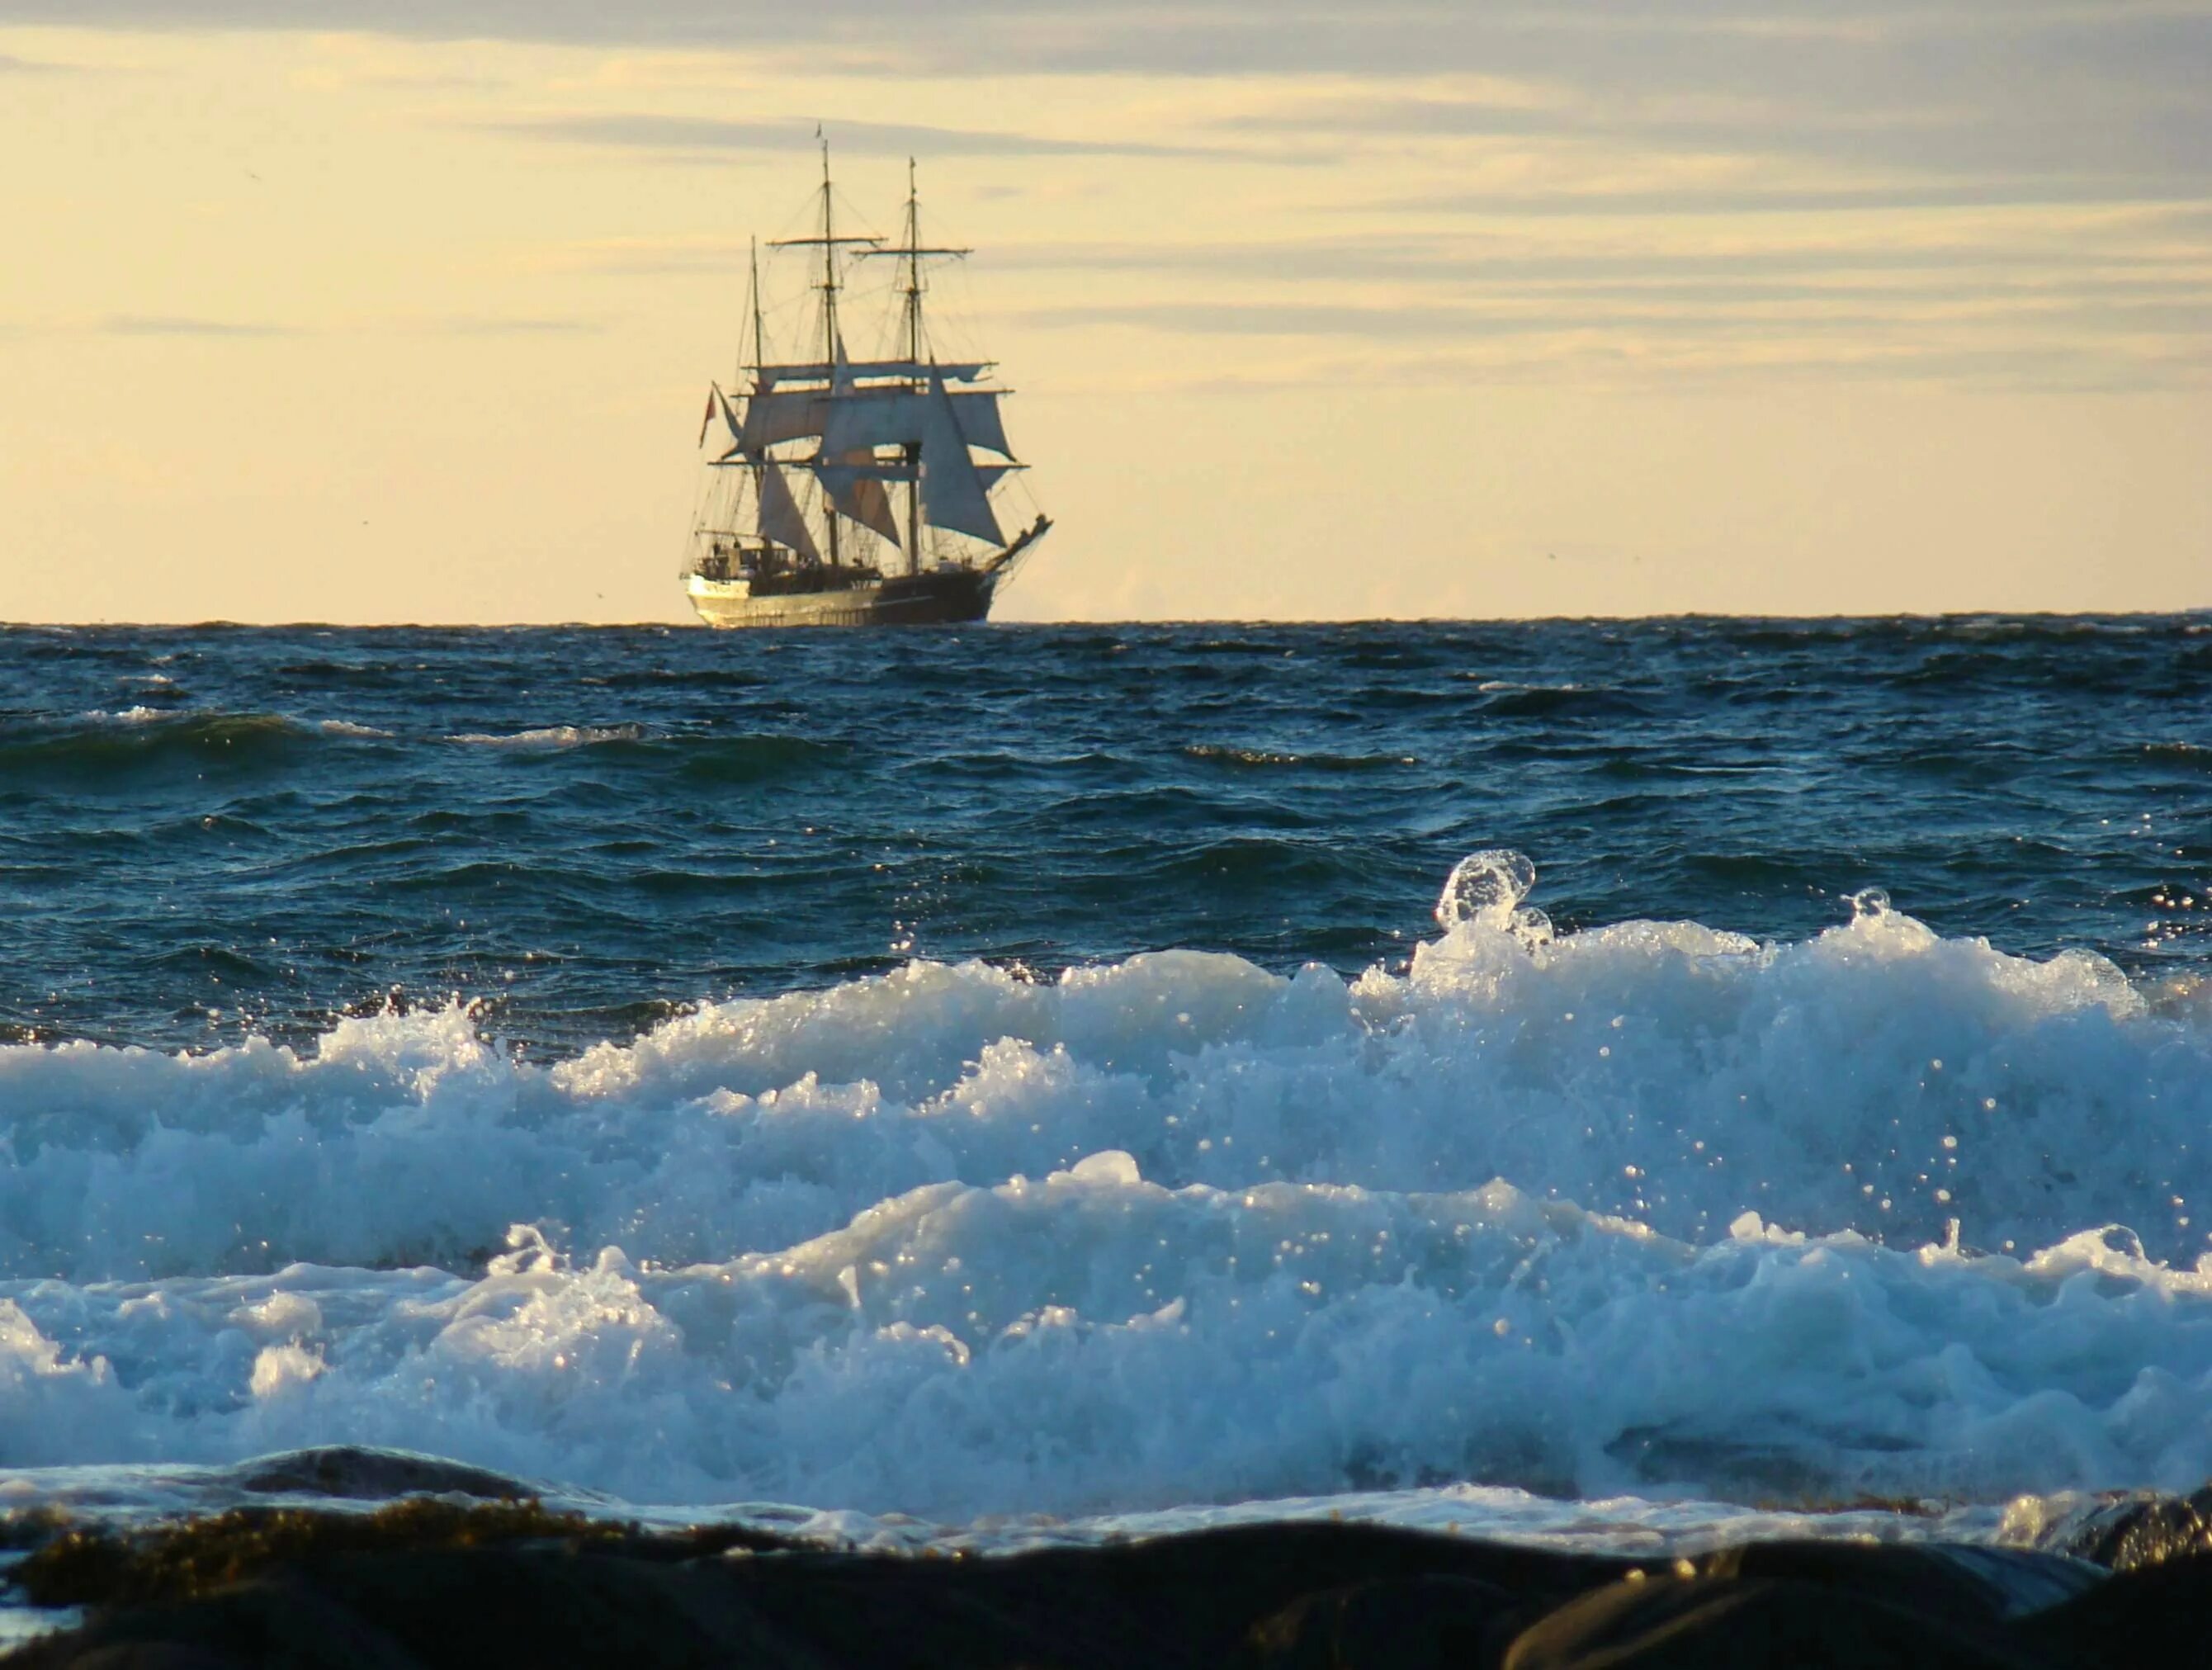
x=854 y=492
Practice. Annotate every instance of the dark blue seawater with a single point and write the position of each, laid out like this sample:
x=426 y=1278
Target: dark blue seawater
x=204 y=831
x=1020 y=1070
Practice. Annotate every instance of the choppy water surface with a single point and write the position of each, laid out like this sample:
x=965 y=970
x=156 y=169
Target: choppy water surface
x=1019 y=1071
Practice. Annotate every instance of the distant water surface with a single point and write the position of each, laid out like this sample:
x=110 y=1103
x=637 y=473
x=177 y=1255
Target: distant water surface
x=213 y=831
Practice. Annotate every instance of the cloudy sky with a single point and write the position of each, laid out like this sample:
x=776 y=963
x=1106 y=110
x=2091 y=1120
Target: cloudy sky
x=372 y=310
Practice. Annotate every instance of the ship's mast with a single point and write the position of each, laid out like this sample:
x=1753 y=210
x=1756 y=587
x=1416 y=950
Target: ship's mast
x=829 y=243
x=760 y=359
x=760 y=325
x=913 y=352
x=828 y=323
x=828 y=268
x=913 y=250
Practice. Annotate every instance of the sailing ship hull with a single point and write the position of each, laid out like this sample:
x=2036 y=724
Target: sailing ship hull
x=936 y=598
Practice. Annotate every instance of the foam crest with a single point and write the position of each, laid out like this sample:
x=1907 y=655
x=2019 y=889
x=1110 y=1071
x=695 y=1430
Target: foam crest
x=1089 y=1341
x=1647 y=1206
x=1877 y=1079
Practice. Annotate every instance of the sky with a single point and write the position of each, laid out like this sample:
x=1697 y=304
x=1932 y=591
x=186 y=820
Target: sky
x=405 y=310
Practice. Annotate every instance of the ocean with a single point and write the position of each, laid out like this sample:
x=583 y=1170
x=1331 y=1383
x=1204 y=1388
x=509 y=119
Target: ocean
x=1610 y=1083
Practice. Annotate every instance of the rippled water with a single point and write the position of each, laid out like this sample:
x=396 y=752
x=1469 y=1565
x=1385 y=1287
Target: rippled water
x=1024 y=1071
x=213 y=829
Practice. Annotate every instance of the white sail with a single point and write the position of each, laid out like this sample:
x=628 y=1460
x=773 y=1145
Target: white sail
x=857 y=492
x=774 y=415
x=901 y=417
x=977 y=409
x=867 y=418
x=849 y=446
x=780 y=519
x=952 y=492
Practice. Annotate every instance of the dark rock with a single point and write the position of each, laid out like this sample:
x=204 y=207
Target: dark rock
x=1756 y=1623
x=1213 y=1587
x=1395 y=1624
x=76 y=1568
x=1989 y=1584
x=461 y=1608
x=432 y=1583
x=1191 y=1601
x=94 y=1568
x=350 y=1472
x=2156 y=1613
x=263 y=1623
x=2139 y=1531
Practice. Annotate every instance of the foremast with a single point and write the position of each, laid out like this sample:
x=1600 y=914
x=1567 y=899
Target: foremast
x=832 y=341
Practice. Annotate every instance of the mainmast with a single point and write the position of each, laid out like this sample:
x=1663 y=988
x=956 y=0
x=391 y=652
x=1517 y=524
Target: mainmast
x=760 y=323
x=913 y=250
x=829 y=267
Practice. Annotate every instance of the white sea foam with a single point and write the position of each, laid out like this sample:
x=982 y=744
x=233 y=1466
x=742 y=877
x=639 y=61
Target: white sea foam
x=1649 y=1206
x=138 y=714
x=552 y=736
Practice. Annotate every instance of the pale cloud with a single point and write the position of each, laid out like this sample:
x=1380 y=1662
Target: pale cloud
x=643 y=131
x=1791 y=364
x=2026 y=259
x=2016 y=88
x=169 y=325
x=1725 y=316
x=1734 y=201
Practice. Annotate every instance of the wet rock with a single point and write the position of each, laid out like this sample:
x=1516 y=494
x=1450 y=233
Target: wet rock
x=1942 y=1580
x=1387 y=1625
x=2143 y=1530
x=432 y=1583
x=438 y=1584
x=1756 y=1623
x=473 y=1607
x=76 y=1568
x=350 y=1472
x=2158 y=1612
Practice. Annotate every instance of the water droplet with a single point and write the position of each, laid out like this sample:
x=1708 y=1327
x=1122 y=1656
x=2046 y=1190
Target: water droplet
x=1485 y=886
x=1869 y=904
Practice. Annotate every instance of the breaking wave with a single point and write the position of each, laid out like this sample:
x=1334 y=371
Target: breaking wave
x=1647 y=1206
